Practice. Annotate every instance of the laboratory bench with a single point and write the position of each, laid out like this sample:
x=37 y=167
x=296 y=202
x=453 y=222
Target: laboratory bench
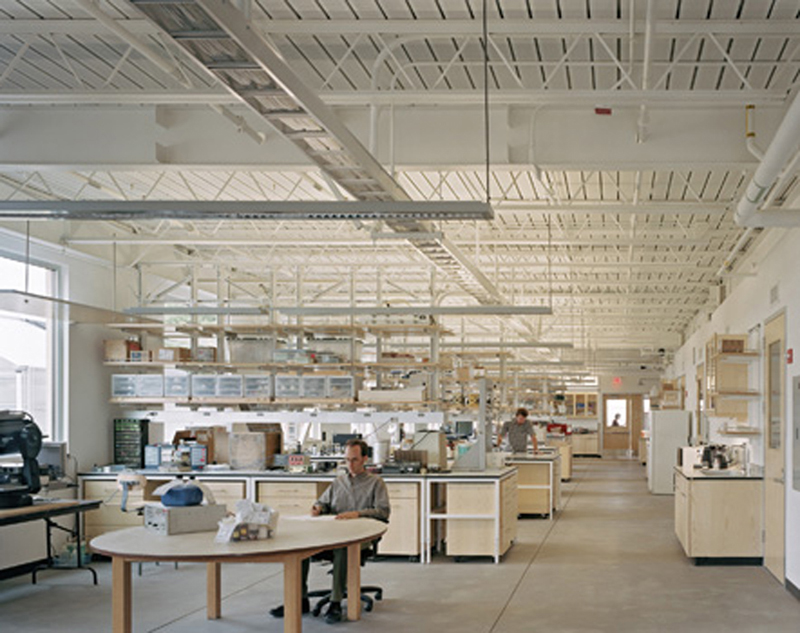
x=415 y=526
x=718 y=514
x=539 y=485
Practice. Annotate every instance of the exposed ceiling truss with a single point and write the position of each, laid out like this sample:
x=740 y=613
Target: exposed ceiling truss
x=626 y=240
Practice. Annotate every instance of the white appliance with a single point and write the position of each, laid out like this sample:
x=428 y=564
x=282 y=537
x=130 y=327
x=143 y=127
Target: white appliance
x=669 y=431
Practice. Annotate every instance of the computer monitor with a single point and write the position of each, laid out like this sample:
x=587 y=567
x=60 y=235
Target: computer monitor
x=464 y=428
x=53 y=455
x=342 y=438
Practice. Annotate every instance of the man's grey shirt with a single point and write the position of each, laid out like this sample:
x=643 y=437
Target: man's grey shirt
x=365 y=493
x=518 y=434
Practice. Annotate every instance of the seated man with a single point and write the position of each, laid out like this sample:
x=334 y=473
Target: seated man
x=352 y=495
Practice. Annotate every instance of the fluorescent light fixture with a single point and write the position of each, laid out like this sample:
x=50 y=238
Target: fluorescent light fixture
x=242 y=210
x=494 y=310
x=198 y=311
x=58 y=309
x=515 y=344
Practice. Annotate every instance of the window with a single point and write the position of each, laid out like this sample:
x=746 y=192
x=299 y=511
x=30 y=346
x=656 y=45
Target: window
x=616 y=412
x=28 y=348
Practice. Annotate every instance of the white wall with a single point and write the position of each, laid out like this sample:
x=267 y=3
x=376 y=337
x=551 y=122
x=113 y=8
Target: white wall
x=773 y=262
x=88 y=280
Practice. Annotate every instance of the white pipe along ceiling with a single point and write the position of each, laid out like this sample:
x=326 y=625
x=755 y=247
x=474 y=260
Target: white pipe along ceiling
x=781 y=150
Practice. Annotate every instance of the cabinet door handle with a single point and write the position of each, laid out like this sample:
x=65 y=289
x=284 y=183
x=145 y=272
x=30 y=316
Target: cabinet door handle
x=779 y=480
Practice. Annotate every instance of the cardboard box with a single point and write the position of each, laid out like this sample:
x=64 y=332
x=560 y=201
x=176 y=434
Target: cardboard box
x=273 y=437
x=165 y=520
x=248 y=451
x=118 y=349
x=172 y=354
x=215 y=438
x=464 y=374
x=206 y=355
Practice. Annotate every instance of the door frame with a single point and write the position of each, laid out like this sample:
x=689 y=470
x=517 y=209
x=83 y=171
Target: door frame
x=635 y=421
x=775 y=565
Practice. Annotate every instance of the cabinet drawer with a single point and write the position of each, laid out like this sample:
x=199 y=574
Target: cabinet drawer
x=402 y=491
x=228 y=490
x=112 y=515
x=470 y=498
x=104 y=490
x=288 y=490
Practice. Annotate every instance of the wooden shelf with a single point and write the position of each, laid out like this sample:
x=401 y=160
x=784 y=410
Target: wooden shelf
x=743 y=431
x=735 y=394
x=227 y=401
x=741 y=357
x=211 y=329
x=389 y=329
x=221 y=365
x=279 y=366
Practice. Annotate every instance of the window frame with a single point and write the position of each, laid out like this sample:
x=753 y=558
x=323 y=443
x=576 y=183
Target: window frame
x=57 y=357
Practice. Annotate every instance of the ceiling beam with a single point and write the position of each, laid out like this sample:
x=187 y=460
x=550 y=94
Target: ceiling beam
x=422 y=27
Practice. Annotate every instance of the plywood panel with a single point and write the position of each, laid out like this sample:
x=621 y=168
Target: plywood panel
x=725 y=518
x=402 y=537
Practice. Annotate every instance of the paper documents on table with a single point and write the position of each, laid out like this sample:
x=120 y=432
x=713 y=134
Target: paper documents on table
x=308 y=517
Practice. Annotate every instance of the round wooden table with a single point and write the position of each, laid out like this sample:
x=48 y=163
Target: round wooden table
x=295 y=541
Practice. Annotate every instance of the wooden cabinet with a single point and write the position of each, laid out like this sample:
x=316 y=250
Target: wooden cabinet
x=719 y=517
x=290 y=498
x=682 y=511
x=586 y=443
x=577 y=405
x=109 y=516
x=539 y=485
x=491 y=535
x=565 y=450
x=402 y=537
x=227 y=492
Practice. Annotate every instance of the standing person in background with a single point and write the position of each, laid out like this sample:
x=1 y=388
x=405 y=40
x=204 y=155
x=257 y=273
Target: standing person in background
x=518 y=432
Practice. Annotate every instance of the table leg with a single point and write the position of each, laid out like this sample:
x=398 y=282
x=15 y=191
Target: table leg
x=121 y=595
x=292 y=594
x=213 y=591
x=354 y=581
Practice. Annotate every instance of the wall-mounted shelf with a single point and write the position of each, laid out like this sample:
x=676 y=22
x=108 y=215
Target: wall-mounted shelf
x=390 y=369
x=741 y=357
x=734 y=395
x=744 y=430
x=730 y=373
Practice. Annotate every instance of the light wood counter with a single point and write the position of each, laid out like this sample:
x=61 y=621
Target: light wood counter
x=539 y=487
x=719 y=515
x=565 y=450
x=586 y=443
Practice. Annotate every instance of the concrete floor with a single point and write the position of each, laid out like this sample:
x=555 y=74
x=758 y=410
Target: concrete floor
x=610 y=562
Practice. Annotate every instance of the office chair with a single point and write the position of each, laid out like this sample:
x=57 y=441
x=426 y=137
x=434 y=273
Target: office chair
x=369 y=593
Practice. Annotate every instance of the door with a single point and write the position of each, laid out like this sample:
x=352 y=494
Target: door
x=637 y=423
x=701 y=381
x=620 y=415
x=774 y=474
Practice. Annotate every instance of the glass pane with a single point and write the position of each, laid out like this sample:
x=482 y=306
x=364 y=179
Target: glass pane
x=775 y=395
x=26 y=348
x=616 y=413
